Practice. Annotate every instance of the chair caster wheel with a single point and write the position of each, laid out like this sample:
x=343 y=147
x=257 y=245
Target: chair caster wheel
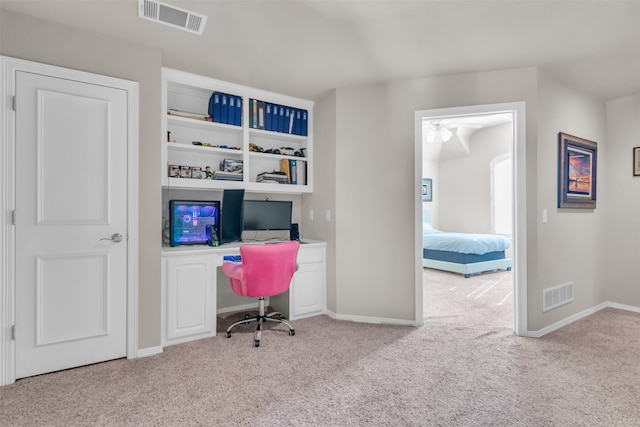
x=228 y=334
x=256 y=343
x=292 y=332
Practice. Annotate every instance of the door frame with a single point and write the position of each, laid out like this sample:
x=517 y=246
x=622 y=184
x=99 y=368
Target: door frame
x=8 y=70
x=518 y=109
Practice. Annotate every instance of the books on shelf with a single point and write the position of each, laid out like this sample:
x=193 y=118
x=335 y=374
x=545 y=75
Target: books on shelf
x=227 y=176
x=295 y=171
x=272 y=177
x=277 y=118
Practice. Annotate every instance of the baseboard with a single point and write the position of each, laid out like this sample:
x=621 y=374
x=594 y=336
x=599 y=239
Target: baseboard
x=376 y=320
x=544 y=331
x=624 y=307
x=149 y=351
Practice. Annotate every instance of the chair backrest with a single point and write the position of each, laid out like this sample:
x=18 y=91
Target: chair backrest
x=269 y=268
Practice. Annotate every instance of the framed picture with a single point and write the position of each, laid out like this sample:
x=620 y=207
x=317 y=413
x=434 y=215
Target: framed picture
x=577 y=172
x=636 y=161
x=427 y=189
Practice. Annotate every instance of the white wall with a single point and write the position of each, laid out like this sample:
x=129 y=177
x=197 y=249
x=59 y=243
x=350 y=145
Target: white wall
x=465 y=183
x=375 y=179
x=324 y=195
x=622 y=239
x=571 y=246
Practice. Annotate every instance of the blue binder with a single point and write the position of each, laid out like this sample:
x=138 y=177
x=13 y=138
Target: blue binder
x=224 y=108
x=238 y=121
x=281 y=119
x=297 y=128
x=268 y=116
x=214 y=106
x=231 y=117
x=304 y=124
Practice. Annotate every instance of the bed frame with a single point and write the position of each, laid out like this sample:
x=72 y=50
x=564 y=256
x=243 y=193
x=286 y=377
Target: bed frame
x=466 y=264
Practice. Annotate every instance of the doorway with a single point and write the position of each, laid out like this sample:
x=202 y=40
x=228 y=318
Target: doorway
x=517 y=112
x=70 y=175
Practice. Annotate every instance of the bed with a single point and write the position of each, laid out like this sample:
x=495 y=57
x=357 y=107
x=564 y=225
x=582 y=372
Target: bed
x=463 y=253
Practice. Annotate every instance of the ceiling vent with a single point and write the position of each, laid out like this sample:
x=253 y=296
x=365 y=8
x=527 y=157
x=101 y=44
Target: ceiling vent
x=172 y=16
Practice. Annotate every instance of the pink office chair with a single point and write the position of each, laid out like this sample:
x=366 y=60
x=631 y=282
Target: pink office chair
x=266 y=270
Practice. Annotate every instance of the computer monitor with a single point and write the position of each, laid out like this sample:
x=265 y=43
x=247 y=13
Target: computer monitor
x=188 y=221
x=231 y=219
x=267 y=215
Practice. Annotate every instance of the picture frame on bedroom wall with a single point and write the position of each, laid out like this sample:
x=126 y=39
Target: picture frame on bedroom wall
x=577 y=172
x=636 y=161
x=427 y=189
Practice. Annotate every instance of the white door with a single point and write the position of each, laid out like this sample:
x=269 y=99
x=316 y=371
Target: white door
x=71 y=198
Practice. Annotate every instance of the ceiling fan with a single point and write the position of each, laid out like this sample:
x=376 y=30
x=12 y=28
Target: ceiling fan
x=441 y=130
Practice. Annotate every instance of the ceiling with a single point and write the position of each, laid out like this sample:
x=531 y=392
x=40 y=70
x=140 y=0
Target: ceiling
x=305 y=48
x=462 y=128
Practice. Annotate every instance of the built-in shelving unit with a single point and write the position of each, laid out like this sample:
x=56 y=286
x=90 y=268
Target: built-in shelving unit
x=191 y=93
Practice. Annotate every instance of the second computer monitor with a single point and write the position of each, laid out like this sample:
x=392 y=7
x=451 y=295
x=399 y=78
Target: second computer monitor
x=231 y=216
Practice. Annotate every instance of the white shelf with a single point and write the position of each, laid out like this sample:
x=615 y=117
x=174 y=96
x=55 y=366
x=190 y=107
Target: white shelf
x=276 y=136
x=251 y=187
x=202 y=150
x=202 y=124
x=277 y=157
x=188 y=92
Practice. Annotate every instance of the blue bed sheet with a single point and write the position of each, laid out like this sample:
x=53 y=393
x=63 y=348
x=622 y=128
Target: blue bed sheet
x=465 y=243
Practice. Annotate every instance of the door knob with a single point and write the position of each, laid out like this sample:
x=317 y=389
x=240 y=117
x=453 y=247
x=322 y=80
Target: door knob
x=115 y=238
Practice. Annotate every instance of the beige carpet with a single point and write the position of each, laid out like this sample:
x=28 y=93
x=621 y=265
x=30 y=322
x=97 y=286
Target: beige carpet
x=463 y=368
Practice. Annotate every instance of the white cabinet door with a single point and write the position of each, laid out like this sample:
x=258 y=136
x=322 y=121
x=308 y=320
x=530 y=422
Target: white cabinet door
x=307 y=290
x=190 y=298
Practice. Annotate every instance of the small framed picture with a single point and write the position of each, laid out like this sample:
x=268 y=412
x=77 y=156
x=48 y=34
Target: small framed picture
x=636 y=161
x=427 y=190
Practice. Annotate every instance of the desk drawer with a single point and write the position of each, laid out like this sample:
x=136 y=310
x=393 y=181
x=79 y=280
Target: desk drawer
x=310 y=254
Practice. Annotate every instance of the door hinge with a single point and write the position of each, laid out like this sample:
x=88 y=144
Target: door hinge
x=14 y=103
x=13 y=217
x=13 y=332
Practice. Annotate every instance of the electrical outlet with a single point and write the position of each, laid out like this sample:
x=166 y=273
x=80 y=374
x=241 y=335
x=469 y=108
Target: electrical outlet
x=311 y=214
x=327 y=215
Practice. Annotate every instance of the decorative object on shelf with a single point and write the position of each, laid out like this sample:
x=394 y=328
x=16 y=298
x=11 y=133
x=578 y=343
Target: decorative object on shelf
x=231 y=165
x=185 y=171
x=189 y=115
x=578 y=160
x=427 y=190
x=636 y=161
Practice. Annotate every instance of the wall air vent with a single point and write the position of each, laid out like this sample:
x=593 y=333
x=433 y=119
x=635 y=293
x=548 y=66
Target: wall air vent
x=172 y=16
x=557 y=296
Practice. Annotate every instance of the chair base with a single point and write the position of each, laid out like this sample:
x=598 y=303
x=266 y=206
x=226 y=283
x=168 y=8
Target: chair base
x=261 y=318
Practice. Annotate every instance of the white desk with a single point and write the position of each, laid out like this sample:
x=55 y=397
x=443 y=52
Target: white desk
x=190 y=274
